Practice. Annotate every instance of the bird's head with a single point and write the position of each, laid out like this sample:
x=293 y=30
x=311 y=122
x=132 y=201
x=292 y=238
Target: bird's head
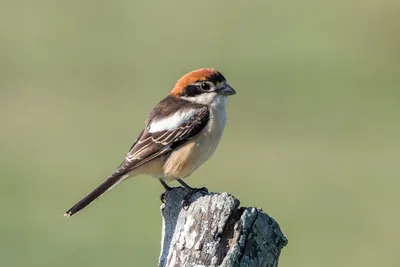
x=204 y=86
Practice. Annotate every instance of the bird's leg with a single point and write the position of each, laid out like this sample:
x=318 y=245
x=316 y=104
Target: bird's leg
x=185 y=185
x=167 y=188
x=164 y=184
x=186 y=199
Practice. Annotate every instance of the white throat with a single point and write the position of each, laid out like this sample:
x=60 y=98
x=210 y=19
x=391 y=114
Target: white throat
x=213 y=100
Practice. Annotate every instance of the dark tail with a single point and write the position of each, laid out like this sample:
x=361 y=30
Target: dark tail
x=107 y=185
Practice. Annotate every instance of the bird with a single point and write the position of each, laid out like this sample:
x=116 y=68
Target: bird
x=181 y=133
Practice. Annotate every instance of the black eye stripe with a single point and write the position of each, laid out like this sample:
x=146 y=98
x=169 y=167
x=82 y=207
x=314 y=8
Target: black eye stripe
x=192 y=90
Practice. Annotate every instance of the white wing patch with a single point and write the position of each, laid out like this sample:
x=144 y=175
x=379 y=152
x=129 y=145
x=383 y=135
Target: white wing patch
x=172 y=122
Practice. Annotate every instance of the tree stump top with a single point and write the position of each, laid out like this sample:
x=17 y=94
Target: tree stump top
x=215 y=231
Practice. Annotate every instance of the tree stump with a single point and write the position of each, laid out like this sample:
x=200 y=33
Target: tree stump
x=215 y=231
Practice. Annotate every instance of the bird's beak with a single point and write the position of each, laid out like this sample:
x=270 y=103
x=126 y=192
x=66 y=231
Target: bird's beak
x=227 y=90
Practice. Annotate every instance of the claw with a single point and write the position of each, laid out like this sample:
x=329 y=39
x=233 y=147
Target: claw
x=167 y=188
x=163 y=195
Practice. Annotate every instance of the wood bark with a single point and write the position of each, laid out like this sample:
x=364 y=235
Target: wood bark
x=214 y=231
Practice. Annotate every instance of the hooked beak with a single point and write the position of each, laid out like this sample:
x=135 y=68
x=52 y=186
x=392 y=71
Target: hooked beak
x=227 y=90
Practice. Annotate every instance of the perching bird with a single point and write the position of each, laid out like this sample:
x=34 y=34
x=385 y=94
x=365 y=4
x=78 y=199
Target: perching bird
x=180 y=134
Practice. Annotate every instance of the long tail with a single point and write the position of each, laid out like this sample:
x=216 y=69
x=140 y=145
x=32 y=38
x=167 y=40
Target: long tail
x=105 y=186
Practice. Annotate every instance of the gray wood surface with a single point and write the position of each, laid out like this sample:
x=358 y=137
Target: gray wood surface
x=215 y=231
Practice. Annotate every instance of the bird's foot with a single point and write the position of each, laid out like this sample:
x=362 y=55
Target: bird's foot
x=191 y=191
x=167 y=189
x=164 y=194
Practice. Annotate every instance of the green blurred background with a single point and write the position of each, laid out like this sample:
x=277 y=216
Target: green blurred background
x=312 y=134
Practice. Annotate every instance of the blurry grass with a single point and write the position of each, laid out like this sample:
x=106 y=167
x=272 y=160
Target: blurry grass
x=312 y=136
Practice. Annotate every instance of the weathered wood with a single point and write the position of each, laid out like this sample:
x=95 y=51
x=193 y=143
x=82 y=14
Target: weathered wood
x=215 y=231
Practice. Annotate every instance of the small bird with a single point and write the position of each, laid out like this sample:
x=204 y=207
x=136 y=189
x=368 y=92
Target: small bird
x=180 y=134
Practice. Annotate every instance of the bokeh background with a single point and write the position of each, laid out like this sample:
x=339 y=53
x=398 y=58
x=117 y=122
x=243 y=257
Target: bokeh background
x=312 y=134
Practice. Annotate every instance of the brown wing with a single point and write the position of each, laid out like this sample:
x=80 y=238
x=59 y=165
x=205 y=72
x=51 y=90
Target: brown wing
x=152 y=145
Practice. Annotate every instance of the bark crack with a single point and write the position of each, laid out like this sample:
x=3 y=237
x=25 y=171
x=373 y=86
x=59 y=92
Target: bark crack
x=247 y=247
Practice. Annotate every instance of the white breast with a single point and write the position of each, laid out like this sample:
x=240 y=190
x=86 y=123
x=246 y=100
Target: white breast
x=187 y=158
x=208 y=142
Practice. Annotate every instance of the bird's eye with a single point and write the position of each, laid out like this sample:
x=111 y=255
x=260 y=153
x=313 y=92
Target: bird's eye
x=205 y=86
